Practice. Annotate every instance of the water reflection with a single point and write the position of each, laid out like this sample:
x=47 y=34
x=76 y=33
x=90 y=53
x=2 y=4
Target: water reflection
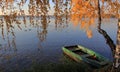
x=61 y=13
x=108 y=39
x=38 y=15
x=43 y=32
x=9 y=24
x=46 y=43
x=2 y=27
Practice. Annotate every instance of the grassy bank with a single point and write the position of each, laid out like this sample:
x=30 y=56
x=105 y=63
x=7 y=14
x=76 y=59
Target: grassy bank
x=66 y=65
x=62 y=67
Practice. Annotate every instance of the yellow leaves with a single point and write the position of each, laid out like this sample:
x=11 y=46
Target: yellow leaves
x=9 y=1
x=83 y=24
x=75 y=19
x=89 y=33
x=102 y=1
x=75 y=8
x=91 y=21
x=84 y=12
x=87 y=3
x=76 y=1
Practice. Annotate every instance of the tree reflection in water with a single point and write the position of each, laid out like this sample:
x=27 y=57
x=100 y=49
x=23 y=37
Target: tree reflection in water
x=109 y=41
x=61 y=13
x=38 y=16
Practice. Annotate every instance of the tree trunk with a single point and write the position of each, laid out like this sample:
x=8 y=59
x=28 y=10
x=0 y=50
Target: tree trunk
x=99 y=15
x=117 y=50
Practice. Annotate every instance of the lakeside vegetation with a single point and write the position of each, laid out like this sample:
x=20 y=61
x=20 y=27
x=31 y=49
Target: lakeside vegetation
x=67 y=65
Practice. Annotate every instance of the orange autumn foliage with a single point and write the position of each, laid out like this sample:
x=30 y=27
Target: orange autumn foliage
x=84 y=12
x=89 y=33
x=9 y=1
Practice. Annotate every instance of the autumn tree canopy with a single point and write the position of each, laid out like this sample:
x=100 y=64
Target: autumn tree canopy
x=85 y=12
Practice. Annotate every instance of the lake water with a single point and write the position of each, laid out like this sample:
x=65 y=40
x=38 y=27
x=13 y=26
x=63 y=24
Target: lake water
x=43 y=43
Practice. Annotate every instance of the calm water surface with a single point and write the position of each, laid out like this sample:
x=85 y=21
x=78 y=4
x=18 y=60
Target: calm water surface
x=43 y=44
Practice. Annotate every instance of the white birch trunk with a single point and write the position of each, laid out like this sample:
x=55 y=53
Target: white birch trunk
x=117 y=50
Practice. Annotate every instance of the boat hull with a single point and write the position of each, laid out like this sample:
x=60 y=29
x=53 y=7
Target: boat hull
x=80 y=53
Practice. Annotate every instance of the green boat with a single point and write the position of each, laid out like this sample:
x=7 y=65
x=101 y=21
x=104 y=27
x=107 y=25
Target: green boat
x=80 y=53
